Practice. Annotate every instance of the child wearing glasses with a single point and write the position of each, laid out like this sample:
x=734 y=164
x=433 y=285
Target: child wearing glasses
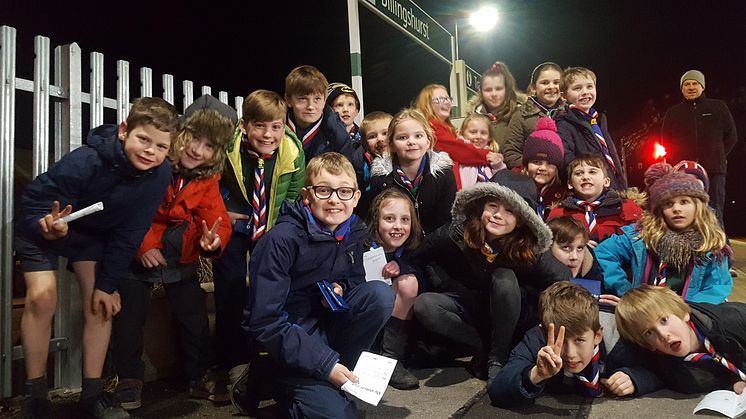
x=313 y=347
x=424 y=175
x=435 y=103
x=265 y=167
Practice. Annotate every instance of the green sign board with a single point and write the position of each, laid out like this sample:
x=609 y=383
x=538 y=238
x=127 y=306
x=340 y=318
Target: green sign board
x=473 y=79
x=409 y=18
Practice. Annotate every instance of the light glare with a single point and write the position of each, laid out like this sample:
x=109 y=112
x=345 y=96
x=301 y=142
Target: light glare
x=484 y=19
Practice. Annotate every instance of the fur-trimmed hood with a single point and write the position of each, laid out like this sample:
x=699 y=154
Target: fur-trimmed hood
x=508 y=196
x=440 y=162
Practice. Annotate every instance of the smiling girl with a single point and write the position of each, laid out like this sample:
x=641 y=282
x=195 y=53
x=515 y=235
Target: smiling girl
x=497 y=99
x=543 y=158
x=476 y=130
x=678 y=243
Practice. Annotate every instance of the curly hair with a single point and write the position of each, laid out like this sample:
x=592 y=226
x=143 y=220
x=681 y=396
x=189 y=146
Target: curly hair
x=653 y=226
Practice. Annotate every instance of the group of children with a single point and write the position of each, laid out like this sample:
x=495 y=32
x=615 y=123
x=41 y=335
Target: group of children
x=289 y=200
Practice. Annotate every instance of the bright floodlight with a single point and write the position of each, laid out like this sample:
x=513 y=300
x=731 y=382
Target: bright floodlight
x=484 y=19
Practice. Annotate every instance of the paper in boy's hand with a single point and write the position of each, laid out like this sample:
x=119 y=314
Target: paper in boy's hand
x=723 y=401
x=98 y=206
x=374 y=260
x=374 y=372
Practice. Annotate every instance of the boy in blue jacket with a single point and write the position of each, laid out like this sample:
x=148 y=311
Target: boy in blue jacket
x=314 y=348
x=115 y=165
x=584 y=355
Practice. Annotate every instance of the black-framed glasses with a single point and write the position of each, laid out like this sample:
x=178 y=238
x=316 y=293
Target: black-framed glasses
x=444 y=99
x=345 y=193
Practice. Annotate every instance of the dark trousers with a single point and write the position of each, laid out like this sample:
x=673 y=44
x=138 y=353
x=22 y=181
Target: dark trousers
x=349 y=334
x=188 y=304
x=484 y=321
x=229 y=278
x=717 y=196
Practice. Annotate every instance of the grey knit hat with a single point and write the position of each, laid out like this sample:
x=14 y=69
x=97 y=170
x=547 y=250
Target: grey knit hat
x=695 y=75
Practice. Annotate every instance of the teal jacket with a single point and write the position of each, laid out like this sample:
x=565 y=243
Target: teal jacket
x=710 y=282
x=287 y=177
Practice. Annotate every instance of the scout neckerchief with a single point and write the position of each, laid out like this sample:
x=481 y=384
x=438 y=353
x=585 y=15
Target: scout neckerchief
x=711 y=355
x=548 y=110
x=592 y=118
x=178 y=183
x=413 y=185
x=540 y=207
x=340 y=233
x=662 y=273
x=589 y=377
x=482 y=174
x=308 y=136
x=258 y=196
x=590 y=210
x=488 y=252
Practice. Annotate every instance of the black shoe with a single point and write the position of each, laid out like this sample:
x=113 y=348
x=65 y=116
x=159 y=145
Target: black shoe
x=246 y=392
x=493 y=367
x=402 y=379
x=105 y=406
x=129 y=393
x=36 y=408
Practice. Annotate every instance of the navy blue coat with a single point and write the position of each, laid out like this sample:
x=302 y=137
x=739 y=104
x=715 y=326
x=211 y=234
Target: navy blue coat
x=332 y=136
x=512 y=386
x=578 y=138
x=97 y=171
x=284 y=314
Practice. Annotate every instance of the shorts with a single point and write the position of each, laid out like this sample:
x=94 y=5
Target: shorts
x=35 y=258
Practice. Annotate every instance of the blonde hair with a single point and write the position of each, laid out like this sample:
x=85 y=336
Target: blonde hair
x=334 y=163
x=211 y=125
x=305 y=80
x=572 y=73
x=401 y=116
x=653 y=226
x=643 y=305
x=262 y=106
x=371 y=119
x=475 y=117
x=566 y=304
x=383 y=198
x=424 y=100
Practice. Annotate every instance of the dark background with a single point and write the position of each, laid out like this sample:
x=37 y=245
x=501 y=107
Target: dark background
x=638 y=49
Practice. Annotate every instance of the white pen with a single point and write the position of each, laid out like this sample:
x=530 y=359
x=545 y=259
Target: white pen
x=98 y=206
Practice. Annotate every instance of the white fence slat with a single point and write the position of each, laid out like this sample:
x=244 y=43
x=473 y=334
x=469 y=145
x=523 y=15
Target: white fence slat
x=146 y=82
x=40 y=153
x=97 y=89
x=123 y=90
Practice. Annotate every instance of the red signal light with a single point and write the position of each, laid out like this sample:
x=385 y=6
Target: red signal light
x=659 y=151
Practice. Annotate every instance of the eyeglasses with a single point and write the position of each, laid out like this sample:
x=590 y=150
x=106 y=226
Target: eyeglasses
x=324 y=192
x=444 y=99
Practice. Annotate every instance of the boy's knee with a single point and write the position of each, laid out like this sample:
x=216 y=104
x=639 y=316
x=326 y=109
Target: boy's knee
x=407 y=287
x=41 y=301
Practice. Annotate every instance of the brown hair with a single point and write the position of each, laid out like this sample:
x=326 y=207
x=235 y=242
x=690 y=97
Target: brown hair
x=262 y=106
x=332 y=162
x=510 y=103
x=566 y=304
x=516 y=247
x=305 y=80
x=211 y=125
x=593 y=160
x=156 y=112
x=572 y=73
x=537 y=73
x=566 y=228
x=645 y=304
x=401 y=116
x=390 y=194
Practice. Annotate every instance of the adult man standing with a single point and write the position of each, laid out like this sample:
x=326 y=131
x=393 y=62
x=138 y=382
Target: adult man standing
x=703 y=130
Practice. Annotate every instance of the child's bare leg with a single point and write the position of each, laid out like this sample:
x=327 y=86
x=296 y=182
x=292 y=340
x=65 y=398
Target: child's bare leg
x=406 y=288
x=36 y=323
x=96 y=329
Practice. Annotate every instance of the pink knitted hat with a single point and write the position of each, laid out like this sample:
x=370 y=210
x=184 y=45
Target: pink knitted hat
x=663 y=182
x=544 y=144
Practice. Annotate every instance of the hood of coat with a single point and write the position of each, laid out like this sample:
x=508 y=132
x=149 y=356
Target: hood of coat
x=440 y=162
x=507 y=196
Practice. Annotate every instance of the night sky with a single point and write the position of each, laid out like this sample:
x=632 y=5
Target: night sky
x=638 y=49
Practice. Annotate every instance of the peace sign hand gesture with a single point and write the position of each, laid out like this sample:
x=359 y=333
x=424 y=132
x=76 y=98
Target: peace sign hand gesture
x=549 y=360
x=50 y=230
x=210 y=239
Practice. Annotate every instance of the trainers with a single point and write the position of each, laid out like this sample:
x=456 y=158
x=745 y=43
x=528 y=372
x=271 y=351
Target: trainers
x=403 y=379
x=493 y=367
x=242 y=397
x=36 y=408
x=210 y=388
x=128 y=392
x=105 y=406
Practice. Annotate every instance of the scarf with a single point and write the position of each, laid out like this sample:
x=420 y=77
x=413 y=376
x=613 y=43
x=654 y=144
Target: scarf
x=711 y=355
x=592 y=118
x=590 y=375
x=678 y=249
x=413 y=185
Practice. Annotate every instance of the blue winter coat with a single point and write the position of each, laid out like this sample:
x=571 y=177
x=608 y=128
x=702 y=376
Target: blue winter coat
x=512 y=386
x=284 y=314
x=97 y=171
x=710 y=282
x=332 y=136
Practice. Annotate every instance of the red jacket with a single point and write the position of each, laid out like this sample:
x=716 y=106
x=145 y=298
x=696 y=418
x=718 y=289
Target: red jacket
x=613 y=213
x=458 y=151
x=199 y=200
